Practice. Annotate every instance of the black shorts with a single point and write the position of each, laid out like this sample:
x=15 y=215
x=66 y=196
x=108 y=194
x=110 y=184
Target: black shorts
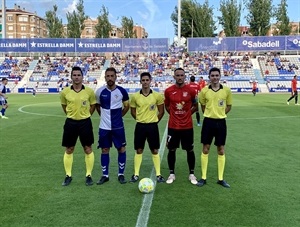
x=185 y=137
x=214 y=128
x=78 y=128
x=147 y=132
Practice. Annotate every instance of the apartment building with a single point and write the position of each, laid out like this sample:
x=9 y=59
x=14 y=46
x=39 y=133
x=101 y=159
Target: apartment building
x=89 y=28
x=116 y=32
x=140 y=31
x=23 y=24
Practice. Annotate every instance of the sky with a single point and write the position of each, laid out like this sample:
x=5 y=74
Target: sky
x=153 y=15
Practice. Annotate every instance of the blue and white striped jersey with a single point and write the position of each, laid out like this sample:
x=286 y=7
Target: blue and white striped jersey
x=111 y=105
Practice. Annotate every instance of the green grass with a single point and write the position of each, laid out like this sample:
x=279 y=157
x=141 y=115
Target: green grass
x=262 y=167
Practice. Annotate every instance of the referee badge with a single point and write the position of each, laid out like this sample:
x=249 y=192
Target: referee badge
x=221 y=102
x=152 y=107
x=84 y=103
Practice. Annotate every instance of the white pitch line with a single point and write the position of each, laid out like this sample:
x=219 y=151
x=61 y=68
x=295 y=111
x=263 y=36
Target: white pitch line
x=228 y=119
x=147 y=201
x=38 y=114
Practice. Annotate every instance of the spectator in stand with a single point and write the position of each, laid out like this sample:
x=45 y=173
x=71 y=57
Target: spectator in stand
x=294 y=91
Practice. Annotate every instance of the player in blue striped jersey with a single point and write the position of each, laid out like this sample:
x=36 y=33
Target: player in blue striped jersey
x=112 y=105
x=3 y=98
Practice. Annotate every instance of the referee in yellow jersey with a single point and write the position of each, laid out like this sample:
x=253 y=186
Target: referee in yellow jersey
x=78 y=103
x=215 y=101
x=147 y=108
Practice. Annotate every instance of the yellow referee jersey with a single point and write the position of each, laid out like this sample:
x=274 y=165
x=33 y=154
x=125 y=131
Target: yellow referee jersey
x=215 y=101
x=78 y=103
x=146 y=106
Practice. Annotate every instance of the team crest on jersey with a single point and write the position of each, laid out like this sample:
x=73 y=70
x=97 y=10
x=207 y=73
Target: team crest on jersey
x=221 y=102
x=152 y=107
x=185 y=94
x=116 y=96
x=84 y=103
x=179 y=106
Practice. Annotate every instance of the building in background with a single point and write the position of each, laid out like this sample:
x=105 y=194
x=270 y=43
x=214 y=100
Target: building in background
x=140 y=31
x=23 y=24
x=116 y=32
x=89 y=31
x=89 y=28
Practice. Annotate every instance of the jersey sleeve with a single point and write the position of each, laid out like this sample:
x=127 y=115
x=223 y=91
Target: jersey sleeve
x=97 y=94
x=92 y=97
x=63 y=100
x=132 y=101
x=159 y=98
x=125 y=94
x=202 y=96
x=167 y=98
x=229 y=97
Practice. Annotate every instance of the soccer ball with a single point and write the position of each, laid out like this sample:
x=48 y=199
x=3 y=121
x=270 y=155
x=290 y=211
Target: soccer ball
x=146 y=185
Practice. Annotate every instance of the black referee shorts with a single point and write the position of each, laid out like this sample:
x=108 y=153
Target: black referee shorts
x=214 y=129
x=147 y=132
x=78 y=128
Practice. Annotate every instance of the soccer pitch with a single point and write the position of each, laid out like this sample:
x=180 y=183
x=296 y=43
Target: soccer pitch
x=262 y=167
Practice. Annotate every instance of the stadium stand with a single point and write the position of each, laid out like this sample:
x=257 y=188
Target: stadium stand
x=238 y=70
x=278 y=70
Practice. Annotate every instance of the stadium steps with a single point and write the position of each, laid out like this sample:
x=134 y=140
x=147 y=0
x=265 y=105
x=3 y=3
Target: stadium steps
x=24 y=81
x=263 y=88
x=255 y=63
x=32 y=65
x=101 y=80
x=258 y=76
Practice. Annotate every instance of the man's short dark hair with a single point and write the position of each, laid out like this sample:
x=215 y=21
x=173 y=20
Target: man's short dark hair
x=111 y=69
x=4 y=78
x=146 y=74
x=76 y=68
x=214 y=69
x=192 y=79
x=178 y=69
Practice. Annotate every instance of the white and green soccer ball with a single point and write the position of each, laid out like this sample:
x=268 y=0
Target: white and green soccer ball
x=146 y=185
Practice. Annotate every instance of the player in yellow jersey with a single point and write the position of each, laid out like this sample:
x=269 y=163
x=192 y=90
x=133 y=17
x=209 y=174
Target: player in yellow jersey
x=215 y=101
x=78 y=103
x=147 y=108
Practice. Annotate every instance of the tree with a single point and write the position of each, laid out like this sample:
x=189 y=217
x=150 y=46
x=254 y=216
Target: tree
x=54 y=24
x=231 y=16
x=260 y=14
x=127 y=26
x=76 y=21
x=103 y=26
x=196 y=19
x=283 y=22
